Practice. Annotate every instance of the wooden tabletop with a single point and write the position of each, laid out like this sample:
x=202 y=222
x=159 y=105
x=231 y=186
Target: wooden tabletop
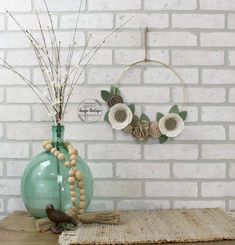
x=18 y=229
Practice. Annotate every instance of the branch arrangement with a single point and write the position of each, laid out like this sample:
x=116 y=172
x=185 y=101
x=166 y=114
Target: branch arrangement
x=60 y=80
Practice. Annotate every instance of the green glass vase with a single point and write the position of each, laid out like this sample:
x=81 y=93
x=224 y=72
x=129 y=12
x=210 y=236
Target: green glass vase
x=45 y=179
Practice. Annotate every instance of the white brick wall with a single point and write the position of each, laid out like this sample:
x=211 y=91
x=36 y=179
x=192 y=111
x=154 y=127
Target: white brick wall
x=197 y=37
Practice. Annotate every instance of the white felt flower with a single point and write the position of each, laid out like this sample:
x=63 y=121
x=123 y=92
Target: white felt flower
x=171 y=125
x=120 y=116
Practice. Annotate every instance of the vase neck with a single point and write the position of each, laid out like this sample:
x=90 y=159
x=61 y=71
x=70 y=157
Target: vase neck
x=57 y=132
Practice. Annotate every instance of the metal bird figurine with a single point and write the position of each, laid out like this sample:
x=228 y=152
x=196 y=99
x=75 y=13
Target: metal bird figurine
x=59 y=217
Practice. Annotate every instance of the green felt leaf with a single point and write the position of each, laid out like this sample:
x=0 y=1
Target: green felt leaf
x=183 y=114
x=159 y=116
x=106 y=116
x=132 y=108
x=135 y=120
x=143 y=117
x=105 y=95
x=163 y=139
x=115 y=90
x=174 y=109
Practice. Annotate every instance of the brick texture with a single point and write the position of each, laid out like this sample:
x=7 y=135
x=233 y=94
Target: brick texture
x=196 y=169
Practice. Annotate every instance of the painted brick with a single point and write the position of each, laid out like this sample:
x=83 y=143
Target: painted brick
x=9 y=78
x=217 y=151
x=109 y=76
x=145 y=94
x=203 y=132
x=100 y=205
x=114 y=151
x=200 y=204
x=231 y=58
x=218 y=189
x=14 y=150
x=13 y=40
x=117 y=189
x=142 y=170
x=203 y=21
x=14 y=113
x=101 y=170
x=217 y=5
x=126 y=57
x=231 y=132
x=165 y=76
x=15 y=168
x=218 y=114
x=119 y=39
x=159 y=21
x=201 y=95
x=1 y=168
x=21 y=95
x=89 y=132
x=27 y=131
x=171 y=151
x=170 y=4
x=171 y=189
x=1 y=95
x=30 y=22
x=217 y=39
x=199 y=170
x=166 y=39
x=218 y=76
x=59 y=5
x=114 y=5
x=231 y=20
x=142 y=204
x=16 y=6
x=15 y=204
x=197 y=57
x=9 y=186
x=232 y=205
x=232 y=170
x=90 y=21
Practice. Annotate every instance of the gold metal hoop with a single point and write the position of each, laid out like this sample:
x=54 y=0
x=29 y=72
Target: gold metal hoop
x=146 y=60
x=123 y=73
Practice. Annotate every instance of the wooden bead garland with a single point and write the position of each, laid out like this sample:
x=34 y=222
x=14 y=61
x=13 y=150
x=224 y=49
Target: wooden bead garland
x=74 y=174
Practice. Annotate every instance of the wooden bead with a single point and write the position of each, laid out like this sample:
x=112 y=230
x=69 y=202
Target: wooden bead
x=81 y=211
x=81 y=184
x=82 y=197
x=46 y=142
x=73 y=157
x=72 y=187
x=69 y=147
x=79 y=175
x=74 y=200
x=53 y=150
x=48 y=147
x=82 y=191
x=71 y=180
x=66 y=144
x=72 y=173
x=74 y=163
x=67 y=164
x=61 y=157
x=56 y=153
x=73 y=151
x=82 y=204
x=73 y=193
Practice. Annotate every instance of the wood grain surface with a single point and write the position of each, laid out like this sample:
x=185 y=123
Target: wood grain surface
x=18 y=228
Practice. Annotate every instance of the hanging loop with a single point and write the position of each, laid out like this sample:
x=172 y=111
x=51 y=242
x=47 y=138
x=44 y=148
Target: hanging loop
x=147 y=61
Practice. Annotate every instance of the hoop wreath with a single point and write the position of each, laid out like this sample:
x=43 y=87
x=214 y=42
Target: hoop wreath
x=122 y=116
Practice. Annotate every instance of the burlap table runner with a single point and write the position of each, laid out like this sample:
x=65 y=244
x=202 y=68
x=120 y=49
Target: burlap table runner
x=143 y=227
